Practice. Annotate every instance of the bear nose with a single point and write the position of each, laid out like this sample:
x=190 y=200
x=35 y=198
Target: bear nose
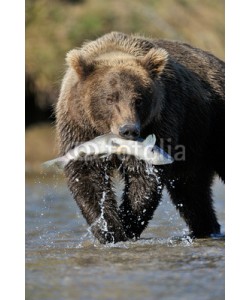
x=129 y=131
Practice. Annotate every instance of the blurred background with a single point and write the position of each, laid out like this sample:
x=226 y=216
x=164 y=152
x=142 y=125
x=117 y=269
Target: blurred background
x=55 y=27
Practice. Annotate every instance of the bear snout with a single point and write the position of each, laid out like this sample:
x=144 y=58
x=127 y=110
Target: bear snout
x=130 y=131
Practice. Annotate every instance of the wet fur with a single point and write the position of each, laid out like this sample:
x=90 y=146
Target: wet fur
x=181 y=94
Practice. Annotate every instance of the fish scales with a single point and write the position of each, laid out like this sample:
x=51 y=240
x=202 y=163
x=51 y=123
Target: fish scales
x=107 y=144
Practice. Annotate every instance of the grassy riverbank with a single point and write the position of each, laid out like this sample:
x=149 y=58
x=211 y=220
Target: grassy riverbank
x=40 y=145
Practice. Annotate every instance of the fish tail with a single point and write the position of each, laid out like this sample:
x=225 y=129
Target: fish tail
x=60 y=163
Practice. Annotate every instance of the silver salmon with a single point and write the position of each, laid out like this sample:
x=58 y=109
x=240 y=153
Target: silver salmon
x=107 y=144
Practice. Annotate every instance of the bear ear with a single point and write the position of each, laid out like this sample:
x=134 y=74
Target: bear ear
x=75 y=60
x=155 y=61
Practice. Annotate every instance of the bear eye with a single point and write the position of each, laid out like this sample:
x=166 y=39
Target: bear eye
x=138 y=102
x=150 y=91
x=110 y=100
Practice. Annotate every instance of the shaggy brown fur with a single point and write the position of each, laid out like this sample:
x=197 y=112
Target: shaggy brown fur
x=127 y=85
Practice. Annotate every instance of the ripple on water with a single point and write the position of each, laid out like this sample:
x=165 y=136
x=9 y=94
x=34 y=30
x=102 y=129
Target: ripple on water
x=63 y=261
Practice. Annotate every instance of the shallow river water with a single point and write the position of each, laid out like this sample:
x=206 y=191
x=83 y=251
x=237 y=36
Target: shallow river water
x=63 y=261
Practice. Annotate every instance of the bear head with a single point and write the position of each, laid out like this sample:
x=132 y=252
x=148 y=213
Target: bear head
x=116 y=91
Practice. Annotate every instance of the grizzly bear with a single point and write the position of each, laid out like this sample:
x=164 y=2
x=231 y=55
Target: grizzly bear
x=134 y=86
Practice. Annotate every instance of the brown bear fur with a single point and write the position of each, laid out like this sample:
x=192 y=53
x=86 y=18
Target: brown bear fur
x=168 y=88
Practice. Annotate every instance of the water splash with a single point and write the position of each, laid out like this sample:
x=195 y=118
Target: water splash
x=103 y=225
x=101 y=222
x=184 y=241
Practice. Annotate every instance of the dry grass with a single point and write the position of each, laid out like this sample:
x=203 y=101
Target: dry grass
x=40 y=146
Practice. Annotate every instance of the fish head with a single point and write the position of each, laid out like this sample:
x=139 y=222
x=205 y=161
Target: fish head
x=158 y=156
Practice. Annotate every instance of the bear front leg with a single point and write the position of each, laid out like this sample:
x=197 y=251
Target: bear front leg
x=90 y=186
x=143 y=191
x=192 y=197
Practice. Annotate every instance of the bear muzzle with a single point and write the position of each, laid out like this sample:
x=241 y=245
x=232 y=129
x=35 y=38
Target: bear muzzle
x=130 y=131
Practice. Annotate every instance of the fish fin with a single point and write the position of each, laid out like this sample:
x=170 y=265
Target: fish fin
x=149 y=141
x=60 y=163
x=114 y=143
